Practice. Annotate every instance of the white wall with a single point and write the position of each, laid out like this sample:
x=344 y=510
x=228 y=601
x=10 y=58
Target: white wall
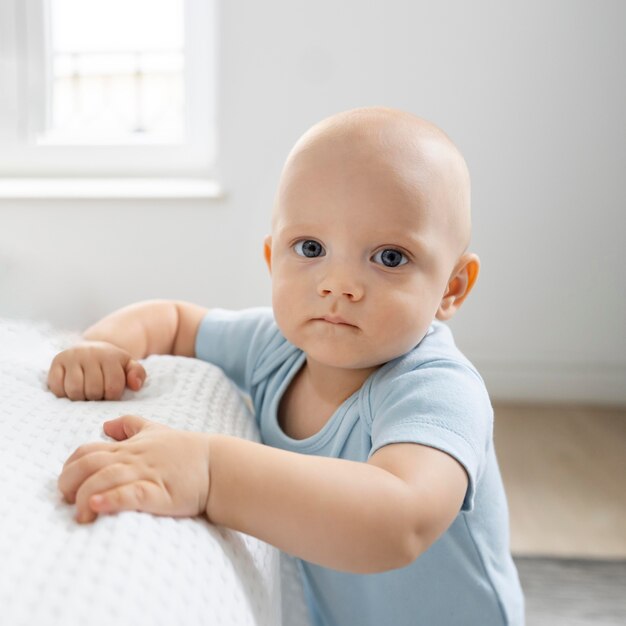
x=532 y=92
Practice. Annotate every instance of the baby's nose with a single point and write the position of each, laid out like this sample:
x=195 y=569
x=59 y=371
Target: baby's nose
x=341 y=283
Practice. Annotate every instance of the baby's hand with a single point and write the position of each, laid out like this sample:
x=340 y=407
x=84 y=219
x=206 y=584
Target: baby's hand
x=94 y=370
x=157 y=469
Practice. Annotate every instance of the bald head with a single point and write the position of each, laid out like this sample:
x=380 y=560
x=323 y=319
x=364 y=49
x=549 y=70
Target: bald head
x=415 y=161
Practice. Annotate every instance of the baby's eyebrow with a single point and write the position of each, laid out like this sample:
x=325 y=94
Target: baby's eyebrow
x=299 y=229
x=414 y=244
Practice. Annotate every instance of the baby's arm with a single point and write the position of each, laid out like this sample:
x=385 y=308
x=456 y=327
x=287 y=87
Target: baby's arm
x=104 y=363
x=151 y=327
x=346 y=515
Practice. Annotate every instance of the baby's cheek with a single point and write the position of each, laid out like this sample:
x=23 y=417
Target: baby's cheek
x=402 y=333
x=282 y=289
x=281 y=316
x=289 y=301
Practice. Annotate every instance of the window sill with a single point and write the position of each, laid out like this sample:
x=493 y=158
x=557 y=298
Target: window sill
x=109 y=188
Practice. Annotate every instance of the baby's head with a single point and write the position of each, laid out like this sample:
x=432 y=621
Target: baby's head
x=370 y=230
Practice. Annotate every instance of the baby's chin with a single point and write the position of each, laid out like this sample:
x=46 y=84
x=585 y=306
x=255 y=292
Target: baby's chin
x=336 y=356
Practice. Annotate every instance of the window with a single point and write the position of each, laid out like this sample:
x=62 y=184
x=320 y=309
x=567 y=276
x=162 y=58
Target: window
x=107 y=88
x=113 y=81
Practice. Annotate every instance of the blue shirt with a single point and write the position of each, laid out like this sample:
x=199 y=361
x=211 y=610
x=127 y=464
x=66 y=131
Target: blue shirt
x=432 y=396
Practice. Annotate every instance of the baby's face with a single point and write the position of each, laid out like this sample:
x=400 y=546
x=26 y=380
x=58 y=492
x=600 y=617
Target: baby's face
x=360 y=259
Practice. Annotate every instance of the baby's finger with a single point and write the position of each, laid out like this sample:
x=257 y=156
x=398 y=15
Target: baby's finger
x=94 y=380
x=114 y=380
x=141 y=495
x=74 y=474
x=135 y=375
x=74 y=382
x=127 y=426
x=87 y=448
x=55 y=379
x=108 y=478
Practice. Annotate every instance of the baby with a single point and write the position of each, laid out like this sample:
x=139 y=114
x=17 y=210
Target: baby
x=377 y=468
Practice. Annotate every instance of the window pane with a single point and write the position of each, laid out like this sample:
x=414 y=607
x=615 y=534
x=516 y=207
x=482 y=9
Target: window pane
x=116 y=72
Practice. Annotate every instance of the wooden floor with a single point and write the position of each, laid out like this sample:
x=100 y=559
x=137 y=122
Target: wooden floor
x=564 y=470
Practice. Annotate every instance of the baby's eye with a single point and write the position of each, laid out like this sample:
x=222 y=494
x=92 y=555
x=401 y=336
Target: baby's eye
x=309 y=248
x=390 y=257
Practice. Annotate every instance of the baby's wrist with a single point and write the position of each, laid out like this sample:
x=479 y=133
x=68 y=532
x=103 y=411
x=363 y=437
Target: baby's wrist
x=213 y=455
x=226 y=465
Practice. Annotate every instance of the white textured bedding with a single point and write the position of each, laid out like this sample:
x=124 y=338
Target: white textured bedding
x=130 y=568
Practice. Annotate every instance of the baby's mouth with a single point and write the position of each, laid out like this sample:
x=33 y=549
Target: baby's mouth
x=335 y=319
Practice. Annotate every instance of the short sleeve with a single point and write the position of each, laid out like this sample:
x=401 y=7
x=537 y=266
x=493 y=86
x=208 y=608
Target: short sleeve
x=442 y=404
x=236 y=340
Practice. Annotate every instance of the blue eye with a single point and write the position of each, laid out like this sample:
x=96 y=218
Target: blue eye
x=389 y=257
x=309 y=248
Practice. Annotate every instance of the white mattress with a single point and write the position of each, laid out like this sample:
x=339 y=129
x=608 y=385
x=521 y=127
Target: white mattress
x=129 y=568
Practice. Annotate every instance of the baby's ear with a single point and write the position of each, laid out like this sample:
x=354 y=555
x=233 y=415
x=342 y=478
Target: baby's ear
x=267 y=251
x=460 y=284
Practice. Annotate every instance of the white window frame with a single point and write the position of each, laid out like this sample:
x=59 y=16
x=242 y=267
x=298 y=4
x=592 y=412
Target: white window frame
x=22 y=76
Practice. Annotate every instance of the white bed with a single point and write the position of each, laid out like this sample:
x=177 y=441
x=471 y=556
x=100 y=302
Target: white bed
x=130 y=568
